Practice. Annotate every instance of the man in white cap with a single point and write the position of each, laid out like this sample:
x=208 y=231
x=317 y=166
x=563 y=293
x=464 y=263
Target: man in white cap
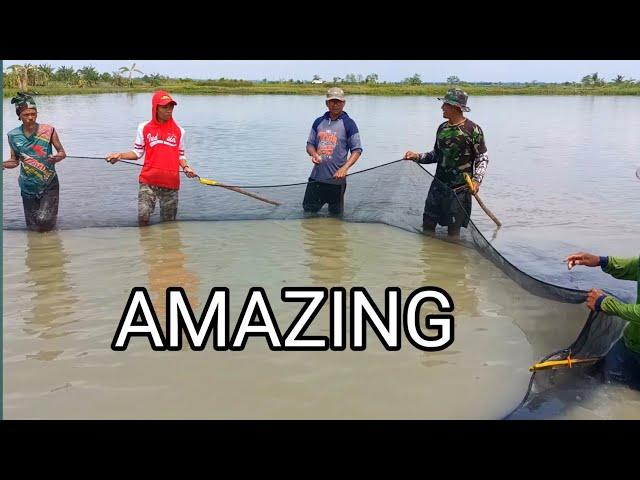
x=622 y=363
x=334 y=146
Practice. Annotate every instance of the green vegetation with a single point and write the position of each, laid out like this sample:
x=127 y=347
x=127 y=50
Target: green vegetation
x=44 y=80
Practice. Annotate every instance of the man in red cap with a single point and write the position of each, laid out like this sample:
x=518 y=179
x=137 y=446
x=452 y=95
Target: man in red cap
x=161 y=141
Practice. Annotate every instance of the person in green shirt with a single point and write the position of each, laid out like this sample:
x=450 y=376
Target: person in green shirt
x=31 y=147
x=622 y=363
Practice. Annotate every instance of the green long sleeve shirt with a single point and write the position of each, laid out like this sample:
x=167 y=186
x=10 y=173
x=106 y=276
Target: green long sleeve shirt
x=625 y=269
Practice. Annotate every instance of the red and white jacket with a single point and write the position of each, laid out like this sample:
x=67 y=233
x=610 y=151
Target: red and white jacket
x=162 y=145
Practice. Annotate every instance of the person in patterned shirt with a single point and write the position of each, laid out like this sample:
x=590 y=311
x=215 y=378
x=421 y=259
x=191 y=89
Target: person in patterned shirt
x=459 y=149
x=31 y=147
x=334 y=147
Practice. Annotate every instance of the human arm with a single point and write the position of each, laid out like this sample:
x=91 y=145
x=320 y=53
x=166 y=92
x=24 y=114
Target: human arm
x=481 y=158
x=353 y=158
x=189 y=172
x=427 y=157
x=315 y=157
x=621 y=268
x=60 y=153
x=312 y=144
x=135 y=154
x=114 y=157
x=599 y=301
x=583 y=258
x=355 y=148
x=13 y=160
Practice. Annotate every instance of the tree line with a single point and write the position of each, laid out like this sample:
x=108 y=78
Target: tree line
x=29 y=75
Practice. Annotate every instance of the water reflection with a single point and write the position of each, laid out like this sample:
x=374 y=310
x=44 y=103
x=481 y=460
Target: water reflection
x=51 y=309
x=163 y=252
x=454 y=268
x=326 y=241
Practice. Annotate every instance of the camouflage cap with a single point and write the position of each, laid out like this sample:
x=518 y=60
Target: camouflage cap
x=457 y=98
x=335 y=93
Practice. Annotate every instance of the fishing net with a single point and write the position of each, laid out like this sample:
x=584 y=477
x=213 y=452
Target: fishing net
x=391 y=194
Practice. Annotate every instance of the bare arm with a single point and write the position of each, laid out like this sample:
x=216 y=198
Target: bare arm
x=114 y=157
x=60 y=153
x=12 y=162
x=313 y=153
x=190 y=172
x=583 y=258
x=138 y=148
x=342 y=171
x=429 y=157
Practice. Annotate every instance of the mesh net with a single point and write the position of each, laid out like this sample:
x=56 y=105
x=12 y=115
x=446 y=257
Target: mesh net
x=391 y=194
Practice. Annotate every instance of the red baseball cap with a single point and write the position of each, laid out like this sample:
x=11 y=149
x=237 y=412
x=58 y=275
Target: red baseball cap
x=166 y=99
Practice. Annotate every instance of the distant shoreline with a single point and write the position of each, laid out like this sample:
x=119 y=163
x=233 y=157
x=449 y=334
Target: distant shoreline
x=239 y=87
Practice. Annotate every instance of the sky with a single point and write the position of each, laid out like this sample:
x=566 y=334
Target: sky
x=387 y=70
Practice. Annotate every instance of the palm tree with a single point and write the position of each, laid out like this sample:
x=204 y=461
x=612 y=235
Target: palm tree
x=116 y=79
x=89 y=75
x=66 y=74
x=23 y=74
x=415 y=80
x=130 y=70
x=16 y=77
x=47 y=72
x=35 y=76
x=596 y=80
x=587 y=80
x=155 y=79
